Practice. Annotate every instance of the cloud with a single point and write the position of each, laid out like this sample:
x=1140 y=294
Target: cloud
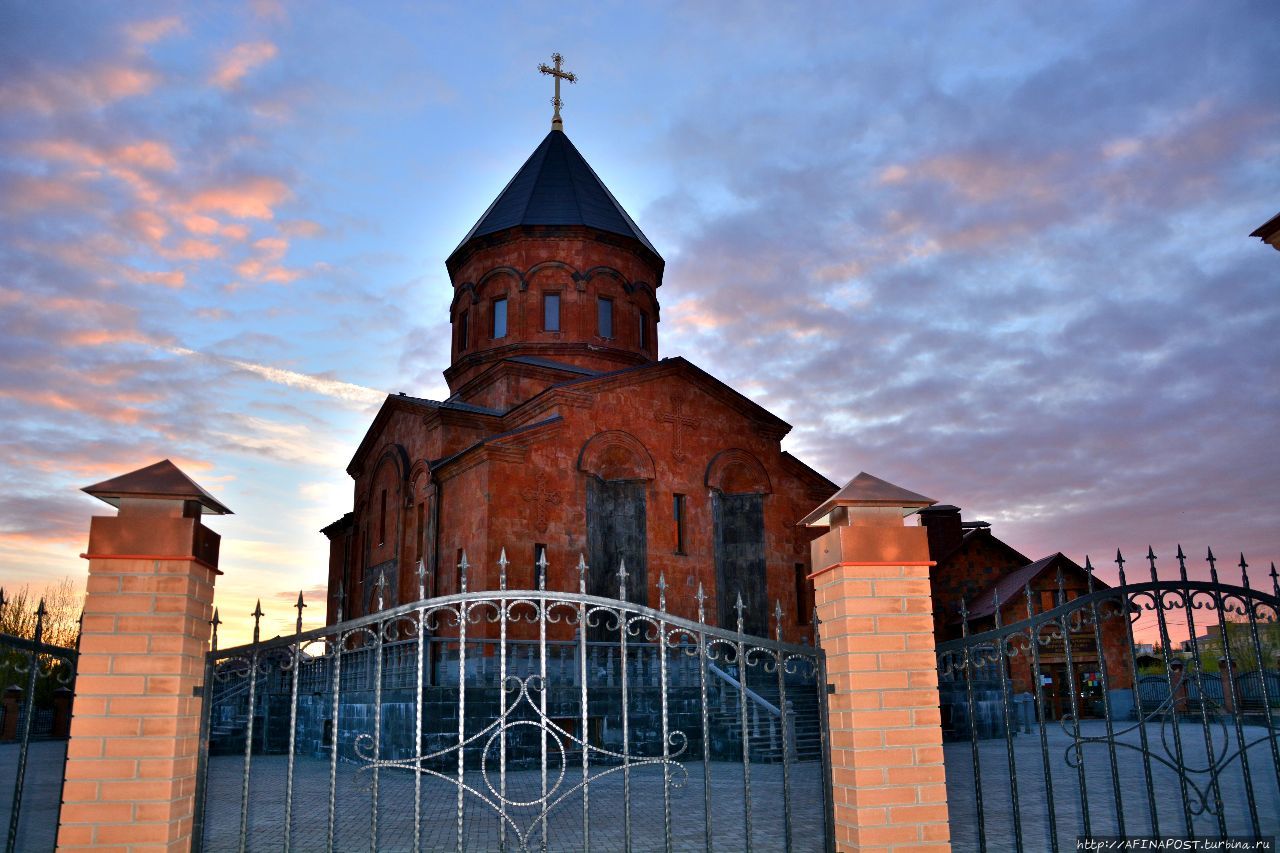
x=147 y=32
x=247 y=198
x=346 y=392
x=240 y=61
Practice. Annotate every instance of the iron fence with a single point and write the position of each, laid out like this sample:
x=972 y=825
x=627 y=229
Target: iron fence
x=38 y=679
x=494 y=719
x=1112 y=742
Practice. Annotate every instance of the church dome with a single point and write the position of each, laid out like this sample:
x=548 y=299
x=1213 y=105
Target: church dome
x=555 y=187
x=555 y=270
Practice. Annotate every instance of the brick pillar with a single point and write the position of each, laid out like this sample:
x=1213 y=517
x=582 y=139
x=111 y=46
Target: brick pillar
x=131 y=760
x=871 y=585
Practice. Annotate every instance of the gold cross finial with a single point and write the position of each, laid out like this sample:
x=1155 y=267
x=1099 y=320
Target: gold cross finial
x=558 y=74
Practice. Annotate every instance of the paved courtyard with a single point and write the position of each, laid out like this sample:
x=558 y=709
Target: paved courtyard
x=564 y=825
x=1135 y=808
x=439 y=828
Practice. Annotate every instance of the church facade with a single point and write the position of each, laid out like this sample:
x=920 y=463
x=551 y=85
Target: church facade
x=565 y=434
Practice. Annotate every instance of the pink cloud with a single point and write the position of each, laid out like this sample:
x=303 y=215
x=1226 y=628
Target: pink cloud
x=63 y=89
x=147 y=225
x=26 y=194
x=251 y=198
x=193 y=250
x=240 y=61
x=147 y=32
x=149 y=154
x=301 y=228
x=175 y=279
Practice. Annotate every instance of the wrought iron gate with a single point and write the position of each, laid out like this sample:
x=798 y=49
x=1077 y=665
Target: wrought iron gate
x=495 y=720
x=1091 y=715
x=37 y=679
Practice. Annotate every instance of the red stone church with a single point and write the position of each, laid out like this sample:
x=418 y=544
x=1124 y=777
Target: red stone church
x=565 y=433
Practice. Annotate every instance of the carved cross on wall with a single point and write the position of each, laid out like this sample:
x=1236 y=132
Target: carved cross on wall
x=542 y=499
x=677 y=418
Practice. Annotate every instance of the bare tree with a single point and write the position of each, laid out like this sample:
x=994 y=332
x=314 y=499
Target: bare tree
x=62 y=603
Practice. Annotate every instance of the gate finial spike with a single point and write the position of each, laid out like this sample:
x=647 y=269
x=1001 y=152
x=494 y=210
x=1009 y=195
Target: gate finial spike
x=964 y=618
x=1275 y=581
x=582 y=574
x=702 y=599
x=342 y=597
x=381 y=587
x=301 y=604
x=1213 y=566
x=1182 y=563
x=995 y=598
x=1120 y=562
x=777 y=618
x=1244 y=572
x=622 y=579
x=462 y=572
x=257 y=619
x=542 y=569
x=1088 y=573
x=422 y=580
x=1151 y=560
x=502 y=568
x=1026 y=592
x=215 y=622
x=662 y=591
x=738 y=607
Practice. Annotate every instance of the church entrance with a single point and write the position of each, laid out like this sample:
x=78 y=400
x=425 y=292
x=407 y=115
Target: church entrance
x=616 y=531
x=739 y=531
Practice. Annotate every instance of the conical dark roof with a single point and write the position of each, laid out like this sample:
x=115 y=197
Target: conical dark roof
x=556 y=186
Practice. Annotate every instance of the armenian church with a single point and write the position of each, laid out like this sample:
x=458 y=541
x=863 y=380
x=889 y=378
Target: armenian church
x=565 y=434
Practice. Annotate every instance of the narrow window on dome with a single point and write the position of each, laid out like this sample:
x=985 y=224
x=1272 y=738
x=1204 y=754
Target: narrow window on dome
x=644 y=330
x=500 y=318
x=382 y=519
x=677 y=510
x=462 y=330
x=551 y=312
x=605 y=315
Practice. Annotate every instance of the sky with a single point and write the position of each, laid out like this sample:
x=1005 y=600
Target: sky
x=994 y=253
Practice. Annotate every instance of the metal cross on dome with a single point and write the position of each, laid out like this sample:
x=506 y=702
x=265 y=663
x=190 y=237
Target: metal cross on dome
x=558 y=74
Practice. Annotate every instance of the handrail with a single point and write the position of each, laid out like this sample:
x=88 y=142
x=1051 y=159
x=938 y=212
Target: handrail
x=755 y=697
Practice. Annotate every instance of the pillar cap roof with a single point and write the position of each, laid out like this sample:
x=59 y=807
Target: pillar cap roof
x=160 y=481
x=865 y=490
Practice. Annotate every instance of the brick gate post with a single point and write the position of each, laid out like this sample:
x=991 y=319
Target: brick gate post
x=131 y=760
x=871 y=585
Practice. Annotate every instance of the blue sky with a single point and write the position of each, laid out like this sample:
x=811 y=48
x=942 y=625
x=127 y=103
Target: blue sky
x=994 y=253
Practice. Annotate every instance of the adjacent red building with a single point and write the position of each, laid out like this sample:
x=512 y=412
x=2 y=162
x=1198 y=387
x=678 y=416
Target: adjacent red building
x=565 y=433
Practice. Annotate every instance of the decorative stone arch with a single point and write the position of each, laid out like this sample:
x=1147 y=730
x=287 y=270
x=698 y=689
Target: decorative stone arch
x=537 y=268
x=737 y=472
x=420 y=470
x=465 y=287
x=644 y=287
x=616 y=455
x=399 y=458
x=627 y=287
x=497 y=271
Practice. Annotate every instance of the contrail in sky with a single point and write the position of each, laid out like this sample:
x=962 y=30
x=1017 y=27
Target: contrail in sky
x=357 y=395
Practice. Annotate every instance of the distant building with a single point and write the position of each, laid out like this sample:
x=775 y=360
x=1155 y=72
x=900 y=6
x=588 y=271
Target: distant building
x=1269 y=232
x=973 y=564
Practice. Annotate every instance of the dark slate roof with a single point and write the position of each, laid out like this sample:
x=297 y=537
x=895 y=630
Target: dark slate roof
x=1011 y=586
x=556 y=186
x=161 y=480
x=537 y=361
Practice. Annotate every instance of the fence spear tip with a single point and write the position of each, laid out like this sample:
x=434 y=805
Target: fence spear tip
x=1180 y=555
x=301 y=604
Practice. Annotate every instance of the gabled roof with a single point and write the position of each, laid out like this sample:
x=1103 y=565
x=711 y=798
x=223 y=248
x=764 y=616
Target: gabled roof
x=556 y=186
x=1011 y=586
x=159 y=481
x=402 y=402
